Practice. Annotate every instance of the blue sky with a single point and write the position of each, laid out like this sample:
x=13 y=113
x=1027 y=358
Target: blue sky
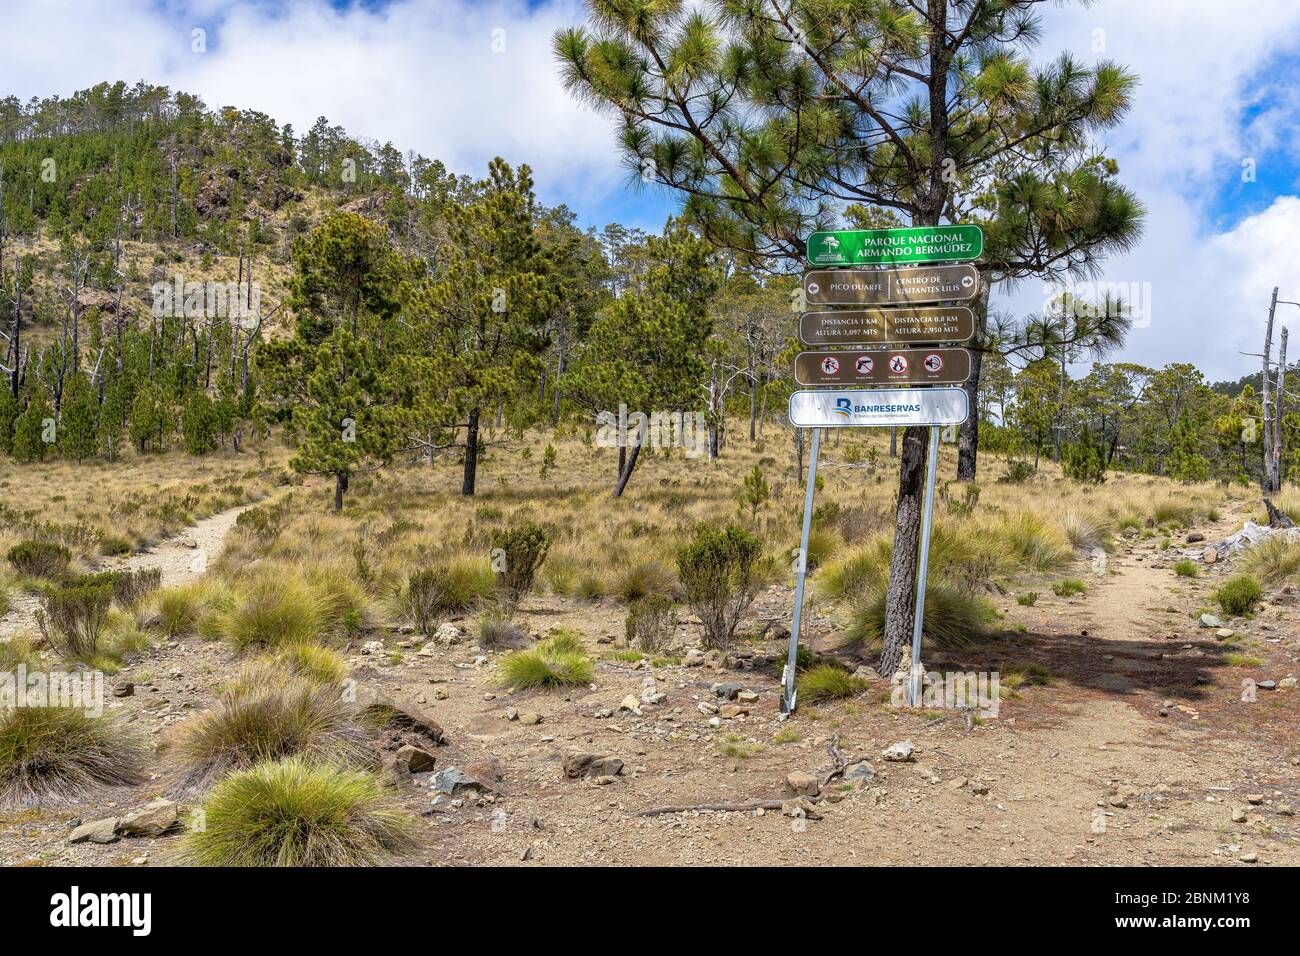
x=464 y=80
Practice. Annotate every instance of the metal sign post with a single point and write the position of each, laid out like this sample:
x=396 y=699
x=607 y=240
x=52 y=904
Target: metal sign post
x=923 y=567
x=926 y=375
x=801 y=573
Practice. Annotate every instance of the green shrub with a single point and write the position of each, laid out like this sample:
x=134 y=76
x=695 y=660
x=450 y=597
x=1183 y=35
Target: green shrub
x=1239 y=594
x=721 y=571
x=650 y=622
x=826 y=682
x=129 y=587
x=58 y=753
x=1028 y=599
x=1186 y=569
x=40 y=559
x=1069 y=587
x=267 y=713
x=72 y=618
x=296 y=813
x=954 y=619
x=754 y=493
x=1085 y=462
x=1018 y=472
x=444 y=591
x=518 y=554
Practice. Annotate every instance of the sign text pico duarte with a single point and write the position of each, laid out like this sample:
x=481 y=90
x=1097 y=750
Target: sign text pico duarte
x=888 y=246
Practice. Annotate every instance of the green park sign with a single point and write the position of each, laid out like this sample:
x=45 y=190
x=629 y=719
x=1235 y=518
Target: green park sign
x=853 y=247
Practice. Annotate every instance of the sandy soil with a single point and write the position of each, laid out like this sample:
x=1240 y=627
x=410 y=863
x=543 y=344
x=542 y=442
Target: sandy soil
x=1137 y=752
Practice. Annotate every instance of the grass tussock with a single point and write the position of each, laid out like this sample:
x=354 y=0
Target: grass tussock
x=320 y=665
x=827 y=682
x=954 y=619
x=1273 y=561
x=557 y=662
x=276 y=610
x=1186 y=568
x=296 y=813
x=645 y=579
x=265 y=714
x=55 y=754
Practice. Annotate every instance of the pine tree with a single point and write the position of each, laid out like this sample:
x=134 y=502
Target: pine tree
x=78 y=438
x=346 y=415
x=32 y=429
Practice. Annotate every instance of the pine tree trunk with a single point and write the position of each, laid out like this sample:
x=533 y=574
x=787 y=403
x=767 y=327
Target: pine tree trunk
x=968 y=439
x=471 y=454
x=900 y=599
x=627 y=472
x=340 y=489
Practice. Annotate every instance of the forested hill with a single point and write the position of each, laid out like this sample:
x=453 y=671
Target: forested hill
x=149 y=242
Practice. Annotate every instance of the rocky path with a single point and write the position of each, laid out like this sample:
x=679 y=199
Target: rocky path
x=182 y=557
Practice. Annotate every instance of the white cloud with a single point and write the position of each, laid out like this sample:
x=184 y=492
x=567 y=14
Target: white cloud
x=457 y=80
x=423 y=74
x=1204 y=67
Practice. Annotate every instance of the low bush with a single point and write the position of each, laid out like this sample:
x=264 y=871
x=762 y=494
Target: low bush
x=58 y=753
x=1186 y=569
x=495 y=630
x=520 y=552
x=445 y=590
x=1069 y=587
x=1028 y=599
x=296 y=813
x=650 y=622
x=40 y=559
x=1239 y=594
x=72 y=618
x=721 y=571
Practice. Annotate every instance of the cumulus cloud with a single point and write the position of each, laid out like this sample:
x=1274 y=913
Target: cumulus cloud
x=462 y=81
x=457 y=80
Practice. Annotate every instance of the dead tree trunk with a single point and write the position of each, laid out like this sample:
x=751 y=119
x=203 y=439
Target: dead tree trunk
x=1269 y=480
x=1279 y=412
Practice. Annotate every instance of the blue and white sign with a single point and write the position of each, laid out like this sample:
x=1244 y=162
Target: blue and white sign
x=846 y=408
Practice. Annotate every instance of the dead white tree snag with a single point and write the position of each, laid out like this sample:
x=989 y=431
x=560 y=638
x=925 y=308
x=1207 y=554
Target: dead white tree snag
x=1269 y=480
x=1279 y=413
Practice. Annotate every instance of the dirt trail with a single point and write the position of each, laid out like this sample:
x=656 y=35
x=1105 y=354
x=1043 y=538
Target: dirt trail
x=182 y=557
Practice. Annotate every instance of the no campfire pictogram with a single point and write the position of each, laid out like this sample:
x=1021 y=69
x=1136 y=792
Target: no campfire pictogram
x=897 y=364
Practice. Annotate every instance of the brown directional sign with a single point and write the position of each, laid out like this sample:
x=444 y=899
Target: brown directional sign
x=891 y=286
x=891 y=367
x=887 y=326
